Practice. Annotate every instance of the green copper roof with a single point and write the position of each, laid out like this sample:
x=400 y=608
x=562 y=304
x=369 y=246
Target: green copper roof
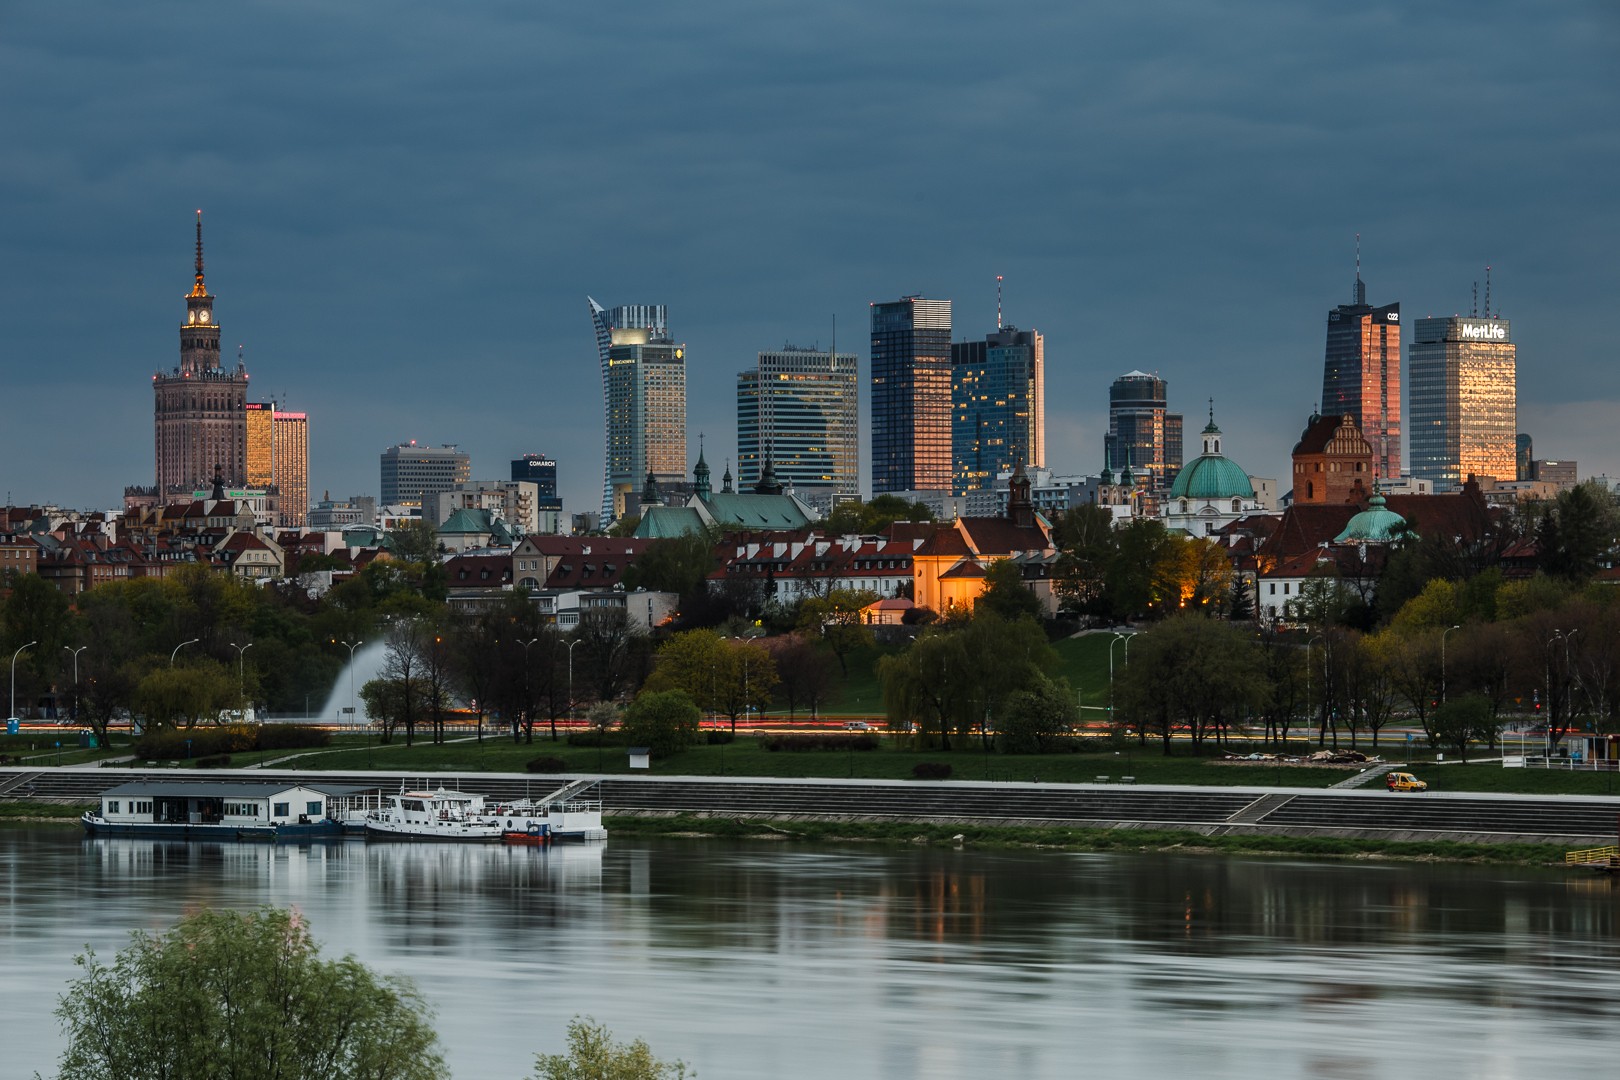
x=1212 y=476
x=1375 y=525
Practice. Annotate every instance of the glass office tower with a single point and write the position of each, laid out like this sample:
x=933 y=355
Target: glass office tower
x=911 y=395
x=605 y=320
x=1361 y=375
x=998 y=406
x=802 y=407
x=1142 y=433
x=646 y=413
x=1463 y=388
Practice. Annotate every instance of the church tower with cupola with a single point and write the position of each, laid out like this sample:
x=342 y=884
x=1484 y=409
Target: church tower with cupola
x=200 y=408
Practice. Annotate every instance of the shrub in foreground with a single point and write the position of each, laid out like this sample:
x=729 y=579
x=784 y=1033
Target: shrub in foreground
x=546 y=765
x=820 y=741
x=931 y=770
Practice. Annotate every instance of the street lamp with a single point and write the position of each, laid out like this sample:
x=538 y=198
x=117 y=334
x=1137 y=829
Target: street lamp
x=14 y=656
x=1312 y=641
x=182 y=645
x=354 y=712
x=1116 y=640
x=1443 y=634
x=571 y=645
x=75 y=653
x=241 y=670
x=527 y=705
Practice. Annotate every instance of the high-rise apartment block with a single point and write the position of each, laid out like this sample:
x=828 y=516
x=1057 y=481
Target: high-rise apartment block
x=998 y=406
x=1462 y=383
x=541 y=471
x=801 y=408
x=911 y=395
x=1361 y=375
x=200 y=408
x=654 y=319
x=261 y=439
x=414 y=475
x=290 y=468
x=1143 y=435
x=646 y=394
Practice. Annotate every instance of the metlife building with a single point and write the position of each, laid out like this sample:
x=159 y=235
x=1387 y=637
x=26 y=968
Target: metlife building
x=1462 y=378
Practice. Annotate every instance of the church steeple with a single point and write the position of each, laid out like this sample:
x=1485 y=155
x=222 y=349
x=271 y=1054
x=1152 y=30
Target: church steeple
x=700 y=475
x=725 y=480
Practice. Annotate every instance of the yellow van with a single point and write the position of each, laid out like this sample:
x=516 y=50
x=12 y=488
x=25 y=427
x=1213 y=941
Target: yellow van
x=1404 y=781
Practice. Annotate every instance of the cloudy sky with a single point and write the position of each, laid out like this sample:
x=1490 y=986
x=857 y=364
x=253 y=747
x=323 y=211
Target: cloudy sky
x=406 y=204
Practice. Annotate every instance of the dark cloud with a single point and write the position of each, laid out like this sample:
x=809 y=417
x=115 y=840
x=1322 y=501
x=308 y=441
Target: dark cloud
x=407 y=203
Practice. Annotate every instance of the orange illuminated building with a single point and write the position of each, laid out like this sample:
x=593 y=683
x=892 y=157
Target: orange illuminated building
x=948 y=569
x=260 y=444
x=291 y=468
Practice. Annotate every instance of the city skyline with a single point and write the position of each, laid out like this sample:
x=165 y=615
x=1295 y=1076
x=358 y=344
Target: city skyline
x=375 y=246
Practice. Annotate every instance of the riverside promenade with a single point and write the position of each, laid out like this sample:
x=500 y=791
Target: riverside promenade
x=1213 y=811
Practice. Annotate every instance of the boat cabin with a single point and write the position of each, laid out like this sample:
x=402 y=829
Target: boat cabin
x=215 y=802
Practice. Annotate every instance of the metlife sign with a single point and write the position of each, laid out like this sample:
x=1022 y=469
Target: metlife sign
x=1493 y=330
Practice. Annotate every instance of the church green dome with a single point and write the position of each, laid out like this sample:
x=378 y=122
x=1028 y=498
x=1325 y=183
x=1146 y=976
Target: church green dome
x=1374 y=525
x=1212 y=476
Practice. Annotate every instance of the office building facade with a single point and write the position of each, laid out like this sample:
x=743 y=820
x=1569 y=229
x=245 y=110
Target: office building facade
x=290 y=468
x=911 y=395
x=199 y=407
x=646 y=416
x=650 y=317
x=998 y=406
x=261 y=438
x=802 y=408
x=1361 y=375
x=541 y=471
x=1143 y=434
x=415 y=475
x=1462 y=383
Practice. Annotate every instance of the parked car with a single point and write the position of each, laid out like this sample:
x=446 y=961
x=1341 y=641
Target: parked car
x=1404 y=781
x=856 y=725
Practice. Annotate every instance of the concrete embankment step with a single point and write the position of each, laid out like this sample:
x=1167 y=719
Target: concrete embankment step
x=1258 y=809
x=1365 y=776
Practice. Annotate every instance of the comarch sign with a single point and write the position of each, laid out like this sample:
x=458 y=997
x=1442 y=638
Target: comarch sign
x=1482 y=329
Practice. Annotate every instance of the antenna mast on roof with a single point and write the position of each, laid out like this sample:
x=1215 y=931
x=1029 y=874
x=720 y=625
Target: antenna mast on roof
x=1488 y=292
x=1474 y=311
x=998 y=303
x=1359 y=292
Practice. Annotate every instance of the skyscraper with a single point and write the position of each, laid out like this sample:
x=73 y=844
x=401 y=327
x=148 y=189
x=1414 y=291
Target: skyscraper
x=541 y=471
x=1143 y=435
x=802 y=407
x=646 y=414
x=604 y=321
x=261 y=453
x=414 y=475
x=290 y=468
x=911 y=395
x=199 y=416
x=1463 y=385
x=1361 y=375
x=998 y=406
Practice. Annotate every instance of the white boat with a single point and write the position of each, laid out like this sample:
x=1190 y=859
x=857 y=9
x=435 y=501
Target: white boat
x=572 y=812
x=432 y=815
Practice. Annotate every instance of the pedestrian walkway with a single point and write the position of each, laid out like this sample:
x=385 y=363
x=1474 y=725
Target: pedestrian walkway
x=1365 y=776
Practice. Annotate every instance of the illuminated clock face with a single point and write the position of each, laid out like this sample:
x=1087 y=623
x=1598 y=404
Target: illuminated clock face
x=202 y=316
x=191 y=316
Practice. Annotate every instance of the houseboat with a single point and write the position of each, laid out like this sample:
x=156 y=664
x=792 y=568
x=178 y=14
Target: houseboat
x=216 y=810
x=432 y=815
x=572 y=812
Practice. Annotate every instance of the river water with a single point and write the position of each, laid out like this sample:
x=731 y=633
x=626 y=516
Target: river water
x=763 y=960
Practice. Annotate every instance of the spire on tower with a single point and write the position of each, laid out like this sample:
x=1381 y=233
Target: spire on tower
x=998 y=302
x=1360 y=292
x=199 y=289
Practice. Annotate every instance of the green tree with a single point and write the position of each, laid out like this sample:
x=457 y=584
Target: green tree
x=593 y=1055
x=1192 y=672
x=1462 y=720
x=1578 y=531
x=228 y=995
x=666 y=722
x=172 y=696
x=1035 y=717
x=676 y=564
x=414 y=541
x=870 y=518
x=1005 y=594
x=836 y=619
x=1087 y=546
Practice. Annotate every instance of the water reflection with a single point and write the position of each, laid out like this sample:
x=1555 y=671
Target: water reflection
x=761 y=960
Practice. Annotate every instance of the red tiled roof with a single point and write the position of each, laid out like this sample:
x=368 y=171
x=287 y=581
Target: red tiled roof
x=998 y=536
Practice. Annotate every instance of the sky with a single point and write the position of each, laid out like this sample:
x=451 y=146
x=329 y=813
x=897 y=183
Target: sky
x=406 y=205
